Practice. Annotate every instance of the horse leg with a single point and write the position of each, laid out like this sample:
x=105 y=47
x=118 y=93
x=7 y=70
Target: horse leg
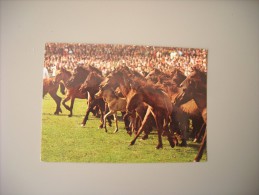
x=199 y=134
x=140 y=130
x=202 y=147
x=57 y=99
x=89 y=109
x=126 y=122
x=109 y=118
x=159 y=123
x=67 y=98
x=102 y=107
x=116 y=122
x=184 y=124
x=104 y=119
x=71 y=106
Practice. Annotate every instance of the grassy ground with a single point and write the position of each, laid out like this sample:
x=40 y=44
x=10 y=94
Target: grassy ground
x=64 y=140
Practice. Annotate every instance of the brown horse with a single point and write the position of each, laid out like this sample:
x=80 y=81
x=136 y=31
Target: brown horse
x=78 y=77
x=51 y=87
x=160 y=107
x=91 y=87
x=195 y=87
x=178 y=76
x=157 y=75
x=71 y=93
x=181 y=114
x=120 y=78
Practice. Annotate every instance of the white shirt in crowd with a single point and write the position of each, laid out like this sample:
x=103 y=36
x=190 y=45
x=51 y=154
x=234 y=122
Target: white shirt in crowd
x=45 y=73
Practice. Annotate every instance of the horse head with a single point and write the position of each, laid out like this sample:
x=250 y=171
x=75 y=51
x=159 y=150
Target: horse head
x=193 y=85
x=78 y=77
x=92 y=81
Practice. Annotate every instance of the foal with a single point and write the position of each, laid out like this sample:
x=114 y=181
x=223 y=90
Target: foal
x=114 y=103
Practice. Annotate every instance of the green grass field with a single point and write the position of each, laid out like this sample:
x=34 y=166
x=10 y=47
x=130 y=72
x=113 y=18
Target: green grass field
x=64 y=140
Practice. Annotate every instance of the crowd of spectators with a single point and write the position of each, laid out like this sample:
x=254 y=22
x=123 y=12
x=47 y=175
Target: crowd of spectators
x=107 y=57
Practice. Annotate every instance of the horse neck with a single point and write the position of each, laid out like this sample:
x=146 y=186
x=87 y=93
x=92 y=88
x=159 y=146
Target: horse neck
x=148 y=97
x=110 y=96
x=124 y=86
x=201 y=99
x=66 y=77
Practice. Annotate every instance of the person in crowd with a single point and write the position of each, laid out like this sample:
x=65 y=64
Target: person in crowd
x=107 y=57
x=45 y=72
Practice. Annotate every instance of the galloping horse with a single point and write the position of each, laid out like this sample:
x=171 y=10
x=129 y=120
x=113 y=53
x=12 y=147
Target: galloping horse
x=195 y=87
x=51 y=87
x=71 y=93
x=160 y=107
x=120 y=78
x=77 y=79
x=91 y=87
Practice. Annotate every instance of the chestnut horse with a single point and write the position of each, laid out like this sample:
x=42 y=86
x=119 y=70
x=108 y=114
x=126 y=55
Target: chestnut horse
x=195 y=87
x=160 y=107
x=71 y=93
x=51 y=87
x=120 y=78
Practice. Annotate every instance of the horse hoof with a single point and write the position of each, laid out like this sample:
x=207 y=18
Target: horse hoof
x=172 y=144
x=159 y=147
x=183 y=144
x=165 y=133
x=82 y=125
x=70 y=115
x=144 y=137
x=115 y=131
x=129 y=132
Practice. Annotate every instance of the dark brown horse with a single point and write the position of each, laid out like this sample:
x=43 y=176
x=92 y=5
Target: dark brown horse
x=71 y=93
x=91 y=87
x=182 y=114
x=178 y=76
x=157 y=75
x=51 y=87
x=78 y=77
x=195 y=87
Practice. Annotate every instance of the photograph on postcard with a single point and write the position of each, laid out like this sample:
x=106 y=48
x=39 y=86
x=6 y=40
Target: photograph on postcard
x=118 y=103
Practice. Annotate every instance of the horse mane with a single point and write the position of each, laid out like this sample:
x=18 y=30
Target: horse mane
x=138 y=85
x=97 y=76
x=202 y=74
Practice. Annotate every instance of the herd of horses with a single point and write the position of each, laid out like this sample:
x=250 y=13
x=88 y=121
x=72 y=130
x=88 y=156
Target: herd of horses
x=169 y=102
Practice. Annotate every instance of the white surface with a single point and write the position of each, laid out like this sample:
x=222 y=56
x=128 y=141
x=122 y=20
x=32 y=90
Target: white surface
x=229 y=30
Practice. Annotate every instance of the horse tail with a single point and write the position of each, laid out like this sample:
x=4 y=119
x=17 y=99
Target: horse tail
x=62 y=88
